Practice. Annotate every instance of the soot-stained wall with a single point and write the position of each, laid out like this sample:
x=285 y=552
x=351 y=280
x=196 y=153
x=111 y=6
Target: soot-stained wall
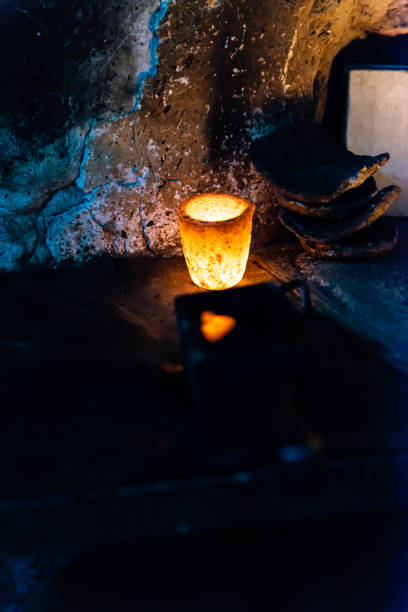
x=112 y=113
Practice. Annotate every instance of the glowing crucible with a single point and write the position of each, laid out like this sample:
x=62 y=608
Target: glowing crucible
x=215 y=231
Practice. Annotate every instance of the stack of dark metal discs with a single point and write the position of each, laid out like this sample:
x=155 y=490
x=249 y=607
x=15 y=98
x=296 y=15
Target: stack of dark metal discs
x=327 y=196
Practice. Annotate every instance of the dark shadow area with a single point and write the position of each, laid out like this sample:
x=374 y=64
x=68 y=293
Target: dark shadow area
x=354 y=563
x=100 y=441
x=226 y=121
x=34 y=71
x=236 y=76
x=54 y=62
x=373 y=50
x=87 y=382
x=93 y=395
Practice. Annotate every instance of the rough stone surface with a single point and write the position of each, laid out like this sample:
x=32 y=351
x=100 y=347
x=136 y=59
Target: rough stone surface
x=112 y=113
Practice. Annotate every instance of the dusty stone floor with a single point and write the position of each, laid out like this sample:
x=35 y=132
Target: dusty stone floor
x=369 y=297
x=125 y=307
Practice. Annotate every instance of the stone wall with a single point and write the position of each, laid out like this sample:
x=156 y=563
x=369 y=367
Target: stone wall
x=112 y=113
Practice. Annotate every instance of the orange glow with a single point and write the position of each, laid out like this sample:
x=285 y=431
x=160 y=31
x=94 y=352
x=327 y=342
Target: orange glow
x=215 y=327
x=215 y=231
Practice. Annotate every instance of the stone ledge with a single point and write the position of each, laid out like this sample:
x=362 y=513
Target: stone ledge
x=368 y=297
